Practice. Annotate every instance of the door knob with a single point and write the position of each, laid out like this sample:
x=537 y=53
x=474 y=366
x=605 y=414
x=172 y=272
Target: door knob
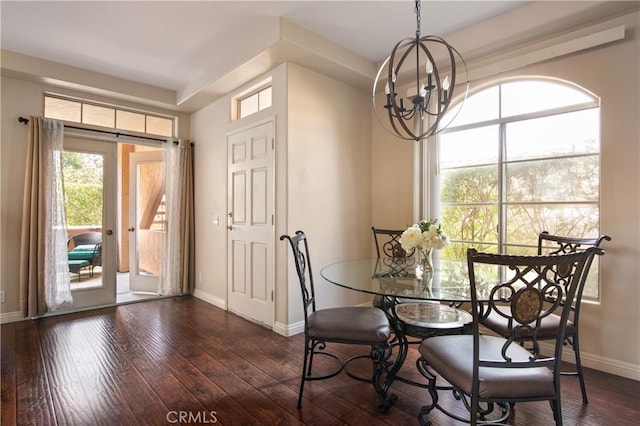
x=132 y=229
x=109 y=232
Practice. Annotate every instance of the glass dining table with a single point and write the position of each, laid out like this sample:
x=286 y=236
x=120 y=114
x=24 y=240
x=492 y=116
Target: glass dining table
x=400 y=281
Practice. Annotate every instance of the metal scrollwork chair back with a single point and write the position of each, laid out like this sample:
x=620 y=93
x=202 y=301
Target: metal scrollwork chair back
x=388 y=243
x=392 y=255
x=552 y=245
x=496 y=371
x=352 y=325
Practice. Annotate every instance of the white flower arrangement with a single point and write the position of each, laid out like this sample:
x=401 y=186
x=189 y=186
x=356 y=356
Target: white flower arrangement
x=424 y=235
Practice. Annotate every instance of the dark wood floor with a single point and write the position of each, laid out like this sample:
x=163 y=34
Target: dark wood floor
x=150 y=363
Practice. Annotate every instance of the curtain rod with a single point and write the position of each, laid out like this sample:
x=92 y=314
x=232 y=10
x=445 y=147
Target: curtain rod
x=117 y=134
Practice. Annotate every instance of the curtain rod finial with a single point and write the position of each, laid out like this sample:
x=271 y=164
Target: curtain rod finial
x=23 y=120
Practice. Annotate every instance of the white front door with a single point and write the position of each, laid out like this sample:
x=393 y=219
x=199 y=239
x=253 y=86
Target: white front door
x=89 y=172
x=251 y=223
x=147 y=226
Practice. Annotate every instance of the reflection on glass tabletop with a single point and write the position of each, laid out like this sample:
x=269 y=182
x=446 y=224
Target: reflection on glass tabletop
x=449 y=281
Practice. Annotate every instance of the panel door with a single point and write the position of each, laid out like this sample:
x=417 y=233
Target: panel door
x=251 y=223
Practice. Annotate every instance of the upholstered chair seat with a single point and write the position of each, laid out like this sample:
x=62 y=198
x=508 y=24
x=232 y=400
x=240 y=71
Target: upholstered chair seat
x=348 y=324
x=452 y=357
x=548 y=326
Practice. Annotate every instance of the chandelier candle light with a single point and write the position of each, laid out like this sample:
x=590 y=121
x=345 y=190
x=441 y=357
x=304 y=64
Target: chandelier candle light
x=425 y=235
x=433 y=94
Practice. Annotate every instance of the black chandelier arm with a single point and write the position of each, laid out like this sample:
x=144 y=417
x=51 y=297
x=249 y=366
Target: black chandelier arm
x=393 y=70
x=433 y=96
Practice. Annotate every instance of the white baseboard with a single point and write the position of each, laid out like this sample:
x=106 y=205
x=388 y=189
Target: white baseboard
x=597 y=362
x=288 y=330
x=608 y=365
x=6 y=317
x=215 y=301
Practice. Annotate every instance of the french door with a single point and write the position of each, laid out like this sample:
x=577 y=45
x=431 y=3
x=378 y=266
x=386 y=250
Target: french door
x=146 y=220
x=90 y=197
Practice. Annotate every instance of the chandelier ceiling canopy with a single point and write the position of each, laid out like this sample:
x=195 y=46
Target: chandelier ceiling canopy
x=431 y=96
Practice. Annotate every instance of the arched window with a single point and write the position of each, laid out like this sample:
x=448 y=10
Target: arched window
x=522 y=157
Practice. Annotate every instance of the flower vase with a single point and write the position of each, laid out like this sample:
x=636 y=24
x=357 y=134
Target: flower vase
x=427 y=260
x=425 y=263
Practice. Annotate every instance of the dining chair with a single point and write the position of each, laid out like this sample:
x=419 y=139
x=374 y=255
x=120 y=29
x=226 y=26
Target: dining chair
x=418 y=319
x=367 y=326
x=549 y=244
x=388 y=247
x=489 y=372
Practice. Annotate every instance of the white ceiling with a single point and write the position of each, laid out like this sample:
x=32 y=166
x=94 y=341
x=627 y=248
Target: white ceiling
x=170 y=44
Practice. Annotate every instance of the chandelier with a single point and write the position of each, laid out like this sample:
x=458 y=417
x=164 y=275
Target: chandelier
x=432 y=95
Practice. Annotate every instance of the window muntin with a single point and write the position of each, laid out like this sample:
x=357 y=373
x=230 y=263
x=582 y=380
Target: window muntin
x=532 y=167
x=106 y=116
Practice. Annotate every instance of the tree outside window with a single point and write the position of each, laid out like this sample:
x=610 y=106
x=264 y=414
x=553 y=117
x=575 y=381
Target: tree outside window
x=522 y=157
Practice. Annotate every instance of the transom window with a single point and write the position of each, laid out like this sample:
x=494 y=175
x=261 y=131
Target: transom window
x=106 y=116
x=254 y=102
x=521 y=157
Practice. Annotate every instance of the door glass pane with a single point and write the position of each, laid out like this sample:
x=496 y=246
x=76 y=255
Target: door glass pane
x=150 y=194
x=84 y=197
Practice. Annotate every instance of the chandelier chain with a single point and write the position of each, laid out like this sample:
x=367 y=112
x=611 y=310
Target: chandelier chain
x=417 y=10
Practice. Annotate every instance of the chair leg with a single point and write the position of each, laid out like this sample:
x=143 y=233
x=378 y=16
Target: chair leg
x=305 y=372
x=576 y=352
x=557 y=411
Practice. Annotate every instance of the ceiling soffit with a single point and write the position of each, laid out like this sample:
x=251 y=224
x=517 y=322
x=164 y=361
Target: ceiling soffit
x=282 y=41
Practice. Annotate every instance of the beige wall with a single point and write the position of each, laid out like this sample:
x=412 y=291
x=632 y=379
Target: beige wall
x=210 y=127
x=329 y=175
x=323 y=159
x=609 y=329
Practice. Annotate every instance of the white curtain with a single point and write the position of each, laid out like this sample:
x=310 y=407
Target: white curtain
x=170 y=282
x=57 y=282
x=44 y=269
